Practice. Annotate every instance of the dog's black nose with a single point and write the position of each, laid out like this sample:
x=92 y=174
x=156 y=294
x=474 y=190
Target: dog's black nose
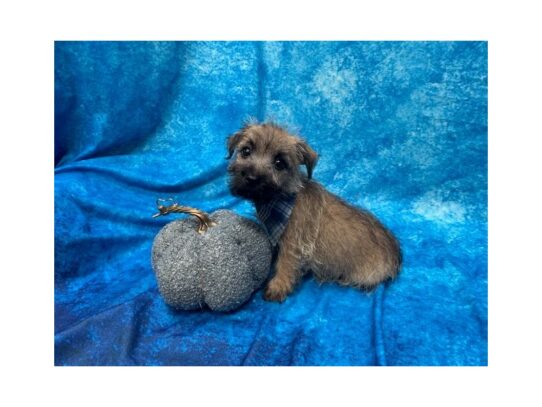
x=251 y=178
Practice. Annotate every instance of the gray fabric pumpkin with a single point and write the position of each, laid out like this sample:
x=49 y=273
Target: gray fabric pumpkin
x=219 y=266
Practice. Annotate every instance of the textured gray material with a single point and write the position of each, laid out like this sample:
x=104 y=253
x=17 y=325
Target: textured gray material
x=219 y=268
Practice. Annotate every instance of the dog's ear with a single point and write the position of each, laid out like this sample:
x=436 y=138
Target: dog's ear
x=307 y=156
x=233 y=141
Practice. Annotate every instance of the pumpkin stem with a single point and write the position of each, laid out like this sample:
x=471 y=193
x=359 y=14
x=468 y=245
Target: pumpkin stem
x=204 y=220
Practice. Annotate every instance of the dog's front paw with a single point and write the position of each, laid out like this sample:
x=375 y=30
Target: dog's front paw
x=275 y=291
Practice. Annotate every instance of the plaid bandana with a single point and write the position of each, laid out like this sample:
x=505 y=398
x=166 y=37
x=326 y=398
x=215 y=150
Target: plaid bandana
x=274 y=215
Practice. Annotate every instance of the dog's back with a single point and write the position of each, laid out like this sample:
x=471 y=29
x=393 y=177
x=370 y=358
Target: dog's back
x=341 y=243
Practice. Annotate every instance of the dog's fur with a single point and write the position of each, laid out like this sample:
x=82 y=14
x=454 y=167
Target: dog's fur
x=324 y=234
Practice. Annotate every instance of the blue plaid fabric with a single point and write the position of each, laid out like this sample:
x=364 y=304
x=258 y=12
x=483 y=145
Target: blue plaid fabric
x=274 y=215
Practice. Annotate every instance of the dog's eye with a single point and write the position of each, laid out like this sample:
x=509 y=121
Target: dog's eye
x=280 y=164
x=245 y=152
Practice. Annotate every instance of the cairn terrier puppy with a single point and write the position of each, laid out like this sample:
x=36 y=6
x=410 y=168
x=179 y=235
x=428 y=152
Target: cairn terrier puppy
x=311 y=228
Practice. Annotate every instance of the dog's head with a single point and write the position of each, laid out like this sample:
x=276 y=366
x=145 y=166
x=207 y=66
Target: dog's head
x=265 y=161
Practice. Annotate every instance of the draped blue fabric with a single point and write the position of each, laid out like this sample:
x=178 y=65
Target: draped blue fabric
x=401 y=128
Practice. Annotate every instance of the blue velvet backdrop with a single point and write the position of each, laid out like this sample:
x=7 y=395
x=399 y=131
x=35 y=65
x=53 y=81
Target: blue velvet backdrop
x=402 y=130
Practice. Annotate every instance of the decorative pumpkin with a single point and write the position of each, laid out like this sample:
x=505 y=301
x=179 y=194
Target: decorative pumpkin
x=214 y=261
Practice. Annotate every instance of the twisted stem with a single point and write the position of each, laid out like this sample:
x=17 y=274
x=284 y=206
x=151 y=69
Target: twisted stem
x=204 y=221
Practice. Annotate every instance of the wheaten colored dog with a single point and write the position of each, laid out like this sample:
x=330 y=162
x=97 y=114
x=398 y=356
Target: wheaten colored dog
x=321 y=232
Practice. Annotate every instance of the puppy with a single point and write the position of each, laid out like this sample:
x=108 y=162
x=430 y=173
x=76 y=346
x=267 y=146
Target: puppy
x=311 y=228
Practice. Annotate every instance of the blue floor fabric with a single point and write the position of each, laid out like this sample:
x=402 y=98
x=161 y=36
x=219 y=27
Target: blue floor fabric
x=401 y=128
